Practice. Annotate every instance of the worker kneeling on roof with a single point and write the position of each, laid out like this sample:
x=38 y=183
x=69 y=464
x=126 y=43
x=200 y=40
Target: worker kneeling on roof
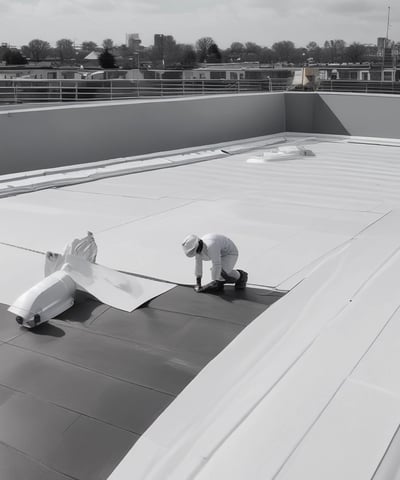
x=223 y=254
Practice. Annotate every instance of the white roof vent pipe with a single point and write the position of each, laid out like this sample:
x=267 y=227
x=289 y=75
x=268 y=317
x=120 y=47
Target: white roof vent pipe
x=56 y=292
x=45 y=300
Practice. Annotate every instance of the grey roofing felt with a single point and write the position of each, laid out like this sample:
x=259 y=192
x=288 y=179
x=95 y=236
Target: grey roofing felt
x=76 y=394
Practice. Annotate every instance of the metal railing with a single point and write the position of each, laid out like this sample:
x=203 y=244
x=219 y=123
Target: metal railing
x=39 y=91
x=359 y=86
x=33 y=91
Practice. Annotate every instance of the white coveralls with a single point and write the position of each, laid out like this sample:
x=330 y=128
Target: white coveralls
x=223 y=254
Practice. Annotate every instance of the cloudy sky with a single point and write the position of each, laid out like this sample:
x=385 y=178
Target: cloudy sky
x=226 y=21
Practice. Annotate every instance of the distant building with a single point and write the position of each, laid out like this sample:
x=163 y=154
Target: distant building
x=363 y=72
x=381 y=43
x=133 y=41
x=160 y=40
x=91 y=60
x=43 y=72
x=387 y=51
x=162 y=46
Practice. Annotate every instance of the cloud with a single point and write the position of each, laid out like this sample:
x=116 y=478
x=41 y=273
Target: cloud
x=177 y=6
x=282 y=8
x=171 y=7
x=23 y=2
x=342 y=8
x=261 y=21
x=356 y=7
x=7 y=6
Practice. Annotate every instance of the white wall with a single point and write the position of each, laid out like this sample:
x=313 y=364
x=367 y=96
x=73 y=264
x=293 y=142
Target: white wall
x=357 y=114
x=53 y=136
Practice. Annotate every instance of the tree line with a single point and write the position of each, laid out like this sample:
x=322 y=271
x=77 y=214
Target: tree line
x=170 y=54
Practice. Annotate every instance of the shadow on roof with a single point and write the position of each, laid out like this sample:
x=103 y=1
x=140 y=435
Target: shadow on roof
x=78 y=392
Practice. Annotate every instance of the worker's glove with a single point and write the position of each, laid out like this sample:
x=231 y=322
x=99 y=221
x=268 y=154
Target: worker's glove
x=212 y=287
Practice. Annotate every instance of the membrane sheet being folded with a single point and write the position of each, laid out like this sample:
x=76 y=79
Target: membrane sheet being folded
x=111 y=287
x=22 y=269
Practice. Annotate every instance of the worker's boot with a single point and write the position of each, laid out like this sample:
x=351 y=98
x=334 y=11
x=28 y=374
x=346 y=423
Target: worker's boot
x=213 y=287
x=227 y=278
x=241 y=283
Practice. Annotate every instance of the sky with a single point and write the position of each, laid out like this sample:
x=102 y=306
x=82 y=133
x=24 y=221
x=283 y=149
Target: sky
x=260 y=21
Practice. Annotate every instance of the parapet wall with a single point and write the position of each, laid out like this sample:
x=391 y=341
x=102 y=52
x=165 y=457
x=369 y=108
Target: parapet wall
x=54 y=136
x=365 y=115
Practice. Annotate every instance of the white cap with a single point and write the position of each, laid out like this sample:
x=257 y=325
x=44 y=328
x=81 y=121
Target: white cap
x=190 y=245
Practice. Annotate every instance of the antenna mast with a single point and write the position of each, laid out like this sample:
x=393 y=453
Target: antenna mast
x=388 y=24
x=384 y=44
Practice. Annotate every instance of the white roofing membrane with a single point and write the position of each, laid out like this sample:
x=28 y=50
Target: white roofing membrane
x=308 y=389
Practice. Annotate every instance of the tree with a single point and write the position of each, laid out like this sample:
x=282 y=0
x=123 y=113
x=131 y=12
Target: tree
x=267 y=55
x=340 y=48
x=236 y=51
x=285 y=51
x=146 y=53
x=314 y=51
x=300 y=56
x=14 y=57
x=89 y=46
x=65 y=49
x=202 y=46
x=38 y=49
x=189 y=57
x=253 y=52
x=355 y=53
x=107 y=59
x=108 y=44
x=26 y=51
x=213 y=54
x=125 y=58
x=3 y=49
x=334 y=51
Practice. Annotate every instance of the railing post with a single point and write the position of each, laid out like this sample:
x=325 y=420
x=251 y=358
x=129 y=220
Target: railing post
x=60 y=90
x=76 y=91
x=111 y=89
x=15 y=92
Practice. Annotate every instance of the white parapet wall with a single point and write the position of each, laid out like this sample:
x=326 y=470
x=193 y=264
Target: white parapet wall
x=41 y=137
x=38 y=137
x=355 y=114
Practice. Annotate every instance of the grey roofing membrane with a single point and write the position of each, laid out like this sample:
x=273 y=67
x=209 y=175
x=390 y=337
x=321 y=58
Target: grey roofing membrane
x=76 y=393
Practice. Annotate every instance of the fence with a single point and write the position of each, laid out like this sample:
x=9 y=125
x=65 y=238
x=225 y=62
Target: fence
x=33 y=91
x=359 y=86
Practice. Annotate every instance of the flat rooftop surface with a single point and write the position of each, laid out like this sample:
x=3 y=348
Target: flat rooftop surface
x=78 y=392
x=310 y=380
